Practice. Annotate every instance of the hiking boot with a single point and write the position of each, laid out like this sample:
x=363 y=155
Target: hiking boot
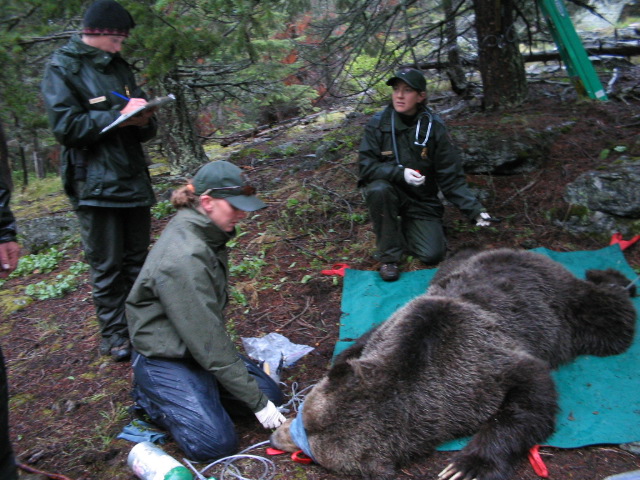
x=122 y=352
x=389 y=272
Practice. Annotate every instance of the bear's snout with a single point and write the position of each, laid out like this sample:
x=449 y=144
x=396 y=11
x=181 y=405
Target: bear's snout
x=281 y=438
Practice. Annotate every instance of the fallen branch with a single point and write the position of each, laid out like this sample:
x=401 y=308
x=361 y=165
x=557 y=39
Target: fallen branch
x=521 y=191
x=53 y=476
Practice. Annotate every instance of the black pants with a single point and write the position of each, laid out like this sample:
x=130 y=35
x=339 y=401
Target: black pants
x=7 y=461
x=116 y=242
x=401 y=227
x=188 y=401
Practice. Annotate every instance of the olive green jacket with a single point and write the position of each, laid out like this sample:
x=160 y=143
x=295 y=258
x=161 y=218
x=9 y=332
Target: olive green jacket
x=100 y=170
x=175 y=308
x=441 y=163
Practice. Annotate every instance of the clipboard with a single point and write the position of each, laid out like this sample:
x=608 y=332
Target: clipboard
x=156 y=102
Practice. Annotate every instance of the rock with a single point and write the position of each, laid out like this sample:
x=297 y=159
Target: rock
x=584 y=221
x=605 y=201
x=498 y=153
x=42 y=233
x=613 y=191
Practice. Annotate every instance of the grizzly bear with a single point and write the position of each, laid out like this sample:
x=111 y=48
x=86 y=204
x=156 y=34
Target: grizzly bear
x=470 y=357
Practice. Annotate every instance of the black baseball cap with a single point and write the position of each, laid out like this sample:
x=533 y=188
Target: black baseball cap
x=412 y=77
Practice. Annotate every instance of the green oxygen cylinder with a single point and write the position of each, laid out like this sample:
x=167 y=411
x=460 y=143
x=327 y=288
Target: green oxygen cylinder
x=150 y=462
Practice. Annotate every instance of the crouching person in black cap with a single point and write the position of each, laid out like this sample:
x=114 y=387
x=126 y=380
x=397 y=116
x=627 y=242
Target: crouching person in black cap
x=405 y=158
x=189 y=378
x=86 y=86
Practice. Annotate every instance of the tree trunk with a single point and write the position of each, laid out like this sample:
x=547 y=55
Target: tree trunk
x=5 y=170
x=454 y=70
x=23 y=158
x=501 y=64
x=179 y=138
x=38 y=164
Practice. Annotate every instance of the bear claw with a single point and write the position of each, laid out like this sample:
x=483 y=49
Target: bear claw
x=447 y=473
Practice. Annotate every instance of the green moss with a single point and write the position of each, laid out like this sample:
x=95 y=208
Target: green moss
x=13 y=300
x=215 y=151
x=575 y=211
x=19 y=400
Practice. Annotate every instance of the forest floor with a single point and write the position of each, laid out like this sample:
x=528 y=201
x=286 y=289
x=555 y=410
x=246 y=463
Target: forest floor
x=67 y=403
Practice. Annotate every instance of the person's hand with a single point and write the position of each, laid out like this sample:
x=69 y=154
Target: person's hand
x=269 y=416
x=139 y=120
x=9 y=253
x=413 y=177
x=484 y=220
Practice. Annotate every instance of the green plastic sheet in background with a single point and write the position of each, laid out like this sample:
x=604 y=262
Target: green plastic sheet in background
x=599 y=397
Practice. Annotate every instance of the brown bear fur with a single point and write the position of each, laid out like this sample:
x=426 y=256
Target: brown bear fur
x=472 y=356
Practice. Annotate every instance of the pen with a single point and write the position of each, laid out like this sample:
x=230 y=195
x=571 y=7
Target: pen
x=121 y=96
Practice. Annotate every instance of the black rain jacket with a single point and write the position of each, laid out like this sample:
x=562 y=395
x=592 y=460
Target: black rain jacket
x=440 y=163
x=100 y=170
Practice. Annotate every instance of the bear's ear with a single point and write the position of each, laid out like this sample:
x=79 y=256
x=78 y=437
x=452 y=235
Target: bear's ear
x=351 y=372
x=340 y=371
x=365 y=370
x=611 y=277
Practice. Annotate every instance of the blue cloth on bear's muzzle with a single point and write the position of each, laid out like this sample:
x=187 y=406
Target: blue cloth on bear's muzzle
x=299 y=434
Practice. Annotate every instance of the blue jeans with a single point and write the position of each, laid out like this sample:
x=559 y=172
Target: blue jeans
x=188 y=401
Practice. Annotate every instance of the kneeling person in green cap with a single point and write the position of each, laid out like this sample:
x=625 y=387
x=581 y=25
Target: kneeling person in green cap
x=405 y=158
x=189 y=377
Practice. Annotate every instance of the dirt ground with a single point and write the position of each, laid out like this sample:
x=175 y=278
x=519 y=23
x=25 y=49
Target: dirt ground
x=68 y=403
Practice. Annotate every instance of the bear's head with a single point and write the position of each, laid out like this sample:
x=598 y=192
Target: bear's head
x=281 y=438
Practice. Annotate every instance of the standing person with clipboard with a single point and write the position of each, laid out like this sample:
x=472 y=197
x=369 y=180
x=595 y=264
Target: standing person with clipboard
x=405 y=158
x=105 y=175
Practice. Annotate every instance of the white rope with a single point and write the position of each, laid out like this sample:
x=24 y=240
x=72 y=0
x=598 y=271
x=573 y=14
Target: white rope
x=631 y=284
x=268 y=467
x=297 y=397
x=228 y=467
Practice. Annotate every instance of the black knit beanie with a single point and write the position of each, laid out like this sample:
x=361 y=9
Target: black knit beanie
x=107 y=17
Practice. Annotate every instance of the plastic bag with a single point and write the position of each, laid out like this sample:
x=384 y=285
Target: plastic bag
x=275 y=350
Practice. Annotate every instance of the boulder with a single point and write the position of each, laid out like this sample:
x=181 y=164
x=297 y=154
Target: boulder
x=502 y=153
x=613 y=190
x=42 y=233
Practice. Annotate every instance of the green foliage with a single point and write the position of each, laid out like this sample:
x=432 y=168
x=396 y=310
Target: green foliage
x=238 y=297
x=44 y=291
x=37 y=188
x=44 y=262
x=249 y=265
x=362 y=78
x=60 y=286
x=162 y=209
x=286 y=150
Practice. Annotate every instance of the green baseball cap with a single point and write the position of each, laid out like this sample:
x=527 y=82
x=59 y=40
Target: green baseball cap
x=222 y=179
x=412 y=77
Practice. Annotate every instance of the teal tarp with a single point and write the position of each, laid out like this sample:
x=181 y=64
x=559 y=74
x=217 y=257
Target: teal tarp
x=599 y=397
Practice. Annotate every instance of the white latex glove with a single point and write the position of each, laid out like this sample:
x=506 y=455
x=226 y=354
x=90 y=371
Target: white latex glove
x=269 y=416
x=413 y=177
x=483 y=220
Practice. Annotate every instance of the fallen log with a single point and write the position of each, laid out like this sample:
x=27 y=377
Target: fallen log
x=618 y=51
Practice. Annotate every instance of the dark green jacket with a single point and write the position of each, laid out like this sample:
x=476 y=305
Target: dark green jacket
x=175 y=308
x=442 y=165
x=110 y=167
x=7 y=220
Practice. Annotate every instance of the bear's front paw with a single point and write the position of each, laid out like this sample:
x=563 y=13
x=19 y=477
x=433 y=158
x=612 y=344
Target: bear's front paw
x=453 y=473
x=471 y=467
